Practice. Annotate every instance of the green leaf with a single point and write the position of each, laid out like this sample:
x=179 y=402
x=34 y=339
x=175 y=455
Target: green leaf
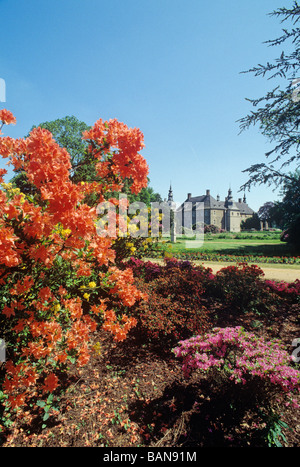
x=41 y=403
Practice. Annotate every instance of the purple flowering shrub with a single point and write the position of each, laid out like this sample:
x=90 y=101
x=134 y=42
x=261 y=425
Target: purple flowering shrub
x=243 y=357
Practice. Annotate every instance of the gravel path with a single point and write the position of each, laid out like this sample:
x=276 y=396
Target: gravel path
x=275 y=273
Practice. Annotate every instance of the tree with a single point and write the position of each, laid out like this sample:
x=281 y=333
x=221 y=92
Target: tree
x=251 y=223
x=265 y=212
x=287 y=212
x=67 y=132
x=279 y=116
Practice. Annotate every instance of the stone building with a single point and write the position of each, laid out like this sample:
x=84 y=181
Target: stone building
x=226 y=215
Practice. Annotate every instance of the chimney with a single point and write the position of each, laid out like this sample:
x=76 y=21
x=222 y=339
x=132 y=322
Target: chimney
x=189 y=195
x=207 y=192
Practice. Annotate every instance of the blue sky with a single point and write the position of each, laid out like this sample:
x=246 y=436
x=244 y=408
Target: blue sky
x=169 y=67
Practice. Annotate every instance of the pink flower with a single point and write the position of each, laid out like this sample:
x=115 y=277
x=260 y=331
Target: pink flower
x=241 y=355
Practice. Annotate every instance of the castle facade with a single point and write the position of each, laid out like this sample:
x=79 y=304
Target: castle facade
x=226 y=215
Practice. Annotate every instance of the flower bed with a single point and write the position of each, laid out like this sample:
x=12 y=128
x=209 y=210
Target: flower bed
x=218 y=257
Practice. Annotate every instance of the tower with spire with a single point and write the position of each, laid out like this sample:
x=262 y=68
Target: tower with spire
x=172 y=206
x=170 y=194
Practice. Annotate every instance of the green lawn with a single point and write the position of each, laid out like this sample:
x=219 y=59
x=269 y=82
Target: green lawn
x=255 y=244
x=247 y=246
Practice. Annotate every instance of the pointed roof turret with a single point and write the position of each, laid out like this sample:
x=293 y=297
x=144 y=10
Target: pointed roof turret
x=170 y=195
x=229 y=201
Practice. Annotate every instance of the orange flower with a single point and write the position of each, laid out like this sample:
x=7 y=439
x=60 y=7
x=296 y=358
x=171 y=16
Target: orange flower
x=62 y=291
x=22 y=286
x=84 y=356
x=8 y=311
x=19 y=326
x=31 y=377
x=8 y=254
x=33 y=239
x=45 y=294
x=120 y=335
x=62 y=357
x=7 y=117
x=2 y=173
x=50 y=383
x=74 y=306
x=17 y=401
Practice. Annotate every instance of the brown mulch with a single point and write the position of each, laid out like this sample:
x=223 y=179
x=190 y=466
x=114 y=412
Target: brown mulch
x=133 y=394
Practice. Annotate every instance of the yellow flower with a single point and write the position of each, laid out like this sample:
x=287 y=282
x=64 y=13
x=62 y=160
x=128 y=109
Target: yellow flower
x=97 y=348
x=132 y=228
x=65 y=232
x=86 y=296
x=92 y=285
x=132 y=249
x=6 y=186
x=56 y=308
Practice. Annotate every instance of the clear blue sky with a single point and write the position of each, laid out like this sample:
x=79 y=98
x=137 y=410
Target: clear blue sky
x=169 y=67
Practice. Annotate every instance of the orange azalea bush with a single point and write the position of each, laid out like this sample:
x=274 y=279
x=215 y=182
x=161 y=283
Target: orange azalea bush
x=57 y=275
